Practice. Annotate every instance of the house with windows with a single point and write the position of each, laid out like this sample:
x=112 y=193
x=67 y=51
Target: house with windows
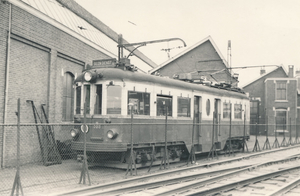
x=273 y=101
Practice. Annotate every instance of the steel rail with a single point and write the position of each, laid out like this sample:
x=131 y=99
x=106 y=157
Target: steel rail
x=127 y=185
x=116 y=189
x=180 y=170
x=244 y=182
x=286 y=188
x=233 y=185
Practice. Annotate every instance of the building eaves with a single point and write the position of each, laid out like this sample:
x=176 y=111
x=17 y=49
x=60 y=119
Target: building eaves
x=190 y=49
x=88 y=17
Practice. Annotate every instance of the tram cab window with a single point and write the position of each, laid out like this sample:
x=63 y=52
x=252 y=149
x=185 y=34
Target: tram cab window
x=184 y=107
x=78 y=99
x=238 y=111
x=140 y=101
x=114 y=99
x=87 y=95
x=98 y=101
x=162 y=103
x=226 y=110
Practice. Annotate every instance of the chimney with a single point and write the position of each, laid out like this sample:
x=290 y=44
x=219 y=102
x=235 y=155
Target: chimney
x=262 y=71
x=291 y=71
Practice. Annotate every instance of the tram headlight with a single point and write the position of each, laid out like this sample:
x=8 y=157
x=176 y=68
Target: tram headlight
x=74 y=132
x=87 y=76
x=112 y=134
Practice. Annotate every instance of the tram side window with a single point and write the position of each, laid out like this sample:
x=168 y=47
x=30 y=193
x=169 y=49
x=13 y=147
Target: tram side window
x=226 y=110
x=87 y=93
x=78 y=99
x=184 y=107
x=114 y=99
x=238 y=111
x=162 y=103
x=140 y=101
x=98 y=102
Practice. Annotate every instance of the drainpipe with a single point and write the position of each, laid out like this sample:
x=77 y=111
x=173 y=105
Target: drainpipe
x=6 y=87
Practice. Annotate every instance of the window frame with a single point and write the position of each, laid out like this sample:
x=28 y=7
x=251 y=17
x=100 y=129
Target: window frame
x=238 y=112
x=281 y=92
x=227 y=110
x=188 y=112
x=170 y=110
x=119 y=102
x=139 y=105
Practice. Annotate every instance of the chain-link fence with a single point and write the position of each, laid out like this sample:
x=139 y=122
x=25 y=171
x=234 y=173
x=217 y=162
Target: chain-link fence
x=48 y=160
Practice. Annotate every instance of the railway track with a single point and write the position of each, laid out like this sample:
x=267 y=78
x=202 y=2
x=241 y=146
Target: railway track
x=195 y=180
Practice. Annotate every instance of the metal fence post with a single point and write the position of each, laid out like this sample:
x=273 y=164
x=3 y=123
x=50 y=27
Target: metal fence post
x=84 y=170
x=131 y=158
x=244 y=136
x=256 y=145
x=17 y=182
x=165 y=159
x=267 y=143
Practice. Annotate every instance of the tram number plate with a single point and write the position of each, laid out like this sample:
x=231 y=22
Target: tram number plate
x=97 y=126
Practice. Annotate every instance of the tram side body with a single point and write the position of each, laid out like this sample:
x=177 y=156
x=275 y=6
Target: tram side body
x=108 y=140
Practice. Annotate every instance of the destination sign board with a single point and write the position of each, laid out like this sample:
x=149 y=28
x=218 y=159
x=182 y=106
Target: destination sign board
x=105 y=63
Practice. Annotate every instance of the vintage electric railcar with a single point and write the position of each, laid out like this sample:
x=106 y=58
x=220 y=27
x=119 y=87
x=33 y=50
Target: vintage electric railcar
x=111 y=90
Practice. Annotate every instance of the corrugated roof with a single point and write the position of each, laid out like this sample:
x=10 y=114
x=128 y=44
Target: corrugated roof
x=71 y=15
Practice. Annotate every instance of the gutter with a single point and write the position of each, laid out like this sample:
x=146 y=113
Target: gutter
x=6 y=86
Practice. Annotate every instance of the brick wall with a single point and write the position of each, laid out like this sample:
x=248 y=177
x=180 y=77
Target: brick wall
x=290 y=104
x=256 y=89
x=40 y=55
x=204 y=57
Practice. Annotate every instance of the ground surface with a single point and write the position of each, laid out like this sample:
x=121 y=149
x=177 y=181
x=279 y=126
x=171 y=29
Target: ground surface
x=45 y=180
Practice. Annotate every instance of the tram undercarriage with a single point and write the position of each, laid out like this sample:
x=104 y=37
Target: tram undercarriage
x=143 y=156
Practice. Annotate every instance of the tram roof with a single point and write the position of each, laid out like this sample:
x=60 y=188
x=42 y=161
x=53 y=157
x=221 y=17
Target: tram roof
x=124 y=75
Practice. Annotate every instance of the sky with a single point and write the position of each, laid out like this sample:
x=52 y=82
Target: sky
x=262 y=32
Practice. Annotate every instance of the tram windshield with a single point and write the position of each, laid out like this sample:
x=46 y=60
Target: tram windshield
x=98 y=101
x=114 y=99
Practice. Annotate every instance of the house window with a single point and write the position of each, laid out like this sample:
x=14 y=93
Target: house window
x=281 y=119
x=140 y=103
x=238 y=111
x=183 y=108
x=226 y=110
x=68 y=97
x=162 y=103
x=280 y=90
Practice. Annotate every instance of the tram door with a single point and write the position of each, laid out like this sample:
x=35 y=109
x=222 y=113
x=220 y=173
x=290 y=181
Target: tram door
x=197 y=121
x=217 y=118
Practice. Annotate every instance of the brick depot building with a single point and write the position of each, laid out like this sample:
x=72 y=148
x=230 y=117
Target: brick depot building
x=274 y=100
x=44 y=45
